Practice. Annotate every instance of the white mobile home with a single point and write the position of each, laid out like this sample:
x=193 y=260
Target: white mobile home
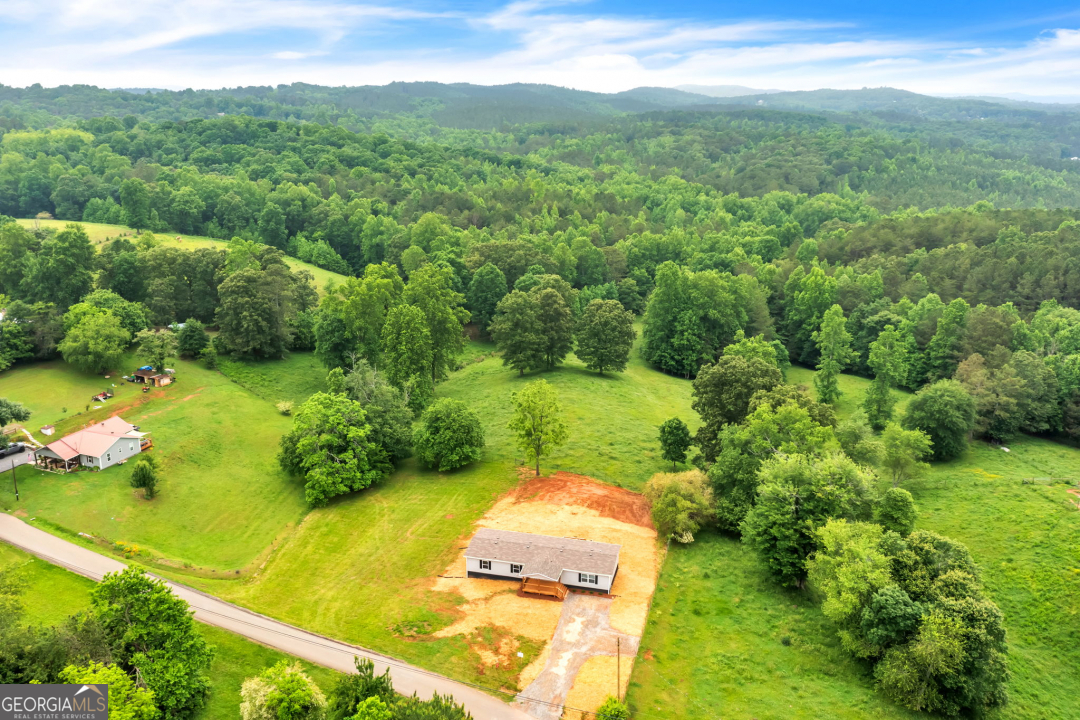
x=576 y=564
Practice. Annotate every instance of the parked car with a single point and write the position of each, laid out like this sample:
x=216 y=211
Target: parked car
x=12 y=449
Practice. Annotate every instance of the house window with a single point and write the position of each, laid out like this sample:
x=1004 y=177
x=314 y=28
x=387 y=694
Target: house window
x=120 y=449
x=588 y=578
x=515 y=569
x=108 y=457
x=485 y=564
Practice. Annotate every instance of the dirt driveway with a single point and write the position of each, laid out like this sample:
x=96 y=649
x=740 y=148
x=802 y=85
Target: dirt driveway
x=584 y=634
x=577 y=666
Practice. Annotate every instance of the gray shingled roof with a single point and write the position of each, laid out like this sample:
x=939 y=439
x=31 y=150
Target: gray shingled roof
x=543 y=555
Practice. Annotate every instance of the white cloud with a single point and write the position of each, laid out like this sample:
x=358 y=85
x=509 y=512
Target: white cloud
x=215 y=43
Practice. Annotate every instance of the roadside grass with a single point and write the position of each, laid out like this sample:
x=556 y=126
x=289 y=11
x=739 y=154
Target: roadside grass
x=730 y=660
x=100 y=233
x=222 y=500
x=52 y=594
x=360 y=569
x=296 y=378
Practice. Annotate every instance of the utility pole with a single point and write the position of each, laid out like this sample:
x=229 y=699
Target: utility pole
x=15 y=480
x=618 y=665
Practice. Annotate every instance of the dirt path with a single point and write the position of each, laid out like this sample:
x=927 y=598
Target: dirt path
x=584 y=632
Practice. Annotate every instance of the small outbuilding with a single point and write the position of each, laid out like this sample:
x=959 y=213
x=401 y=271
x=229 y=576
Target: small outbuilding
x=546 y=565
x=98 y=446
x=151 y=377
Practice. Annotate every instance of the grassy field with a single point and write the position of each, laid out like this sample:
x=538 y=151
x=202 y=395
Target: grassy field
x=296 y=378
x=360 y=569
x=52 y=594
x=100 y=233
x=1024 y=538
x=223 y=498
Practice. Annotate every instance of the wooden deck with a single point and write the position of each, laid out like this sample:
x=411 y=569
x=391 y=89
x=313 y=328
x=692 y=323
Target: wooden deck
x=550 y=589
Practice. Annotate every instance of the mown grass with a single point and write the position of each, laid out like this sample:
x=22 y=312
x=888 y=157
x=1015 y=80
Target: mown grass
x=613 y=419
x=100 y=233
x=222 y=498
x=296 y=378
x=729 y=660
x=52 y=594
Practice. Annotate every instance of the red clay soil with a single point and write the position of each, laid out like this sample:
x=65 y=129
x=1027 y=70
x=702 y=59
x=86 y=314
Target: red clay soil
x=565 y=488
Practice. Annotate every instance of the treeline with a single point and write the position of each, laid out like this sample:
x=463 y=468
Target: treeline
x=61 y=296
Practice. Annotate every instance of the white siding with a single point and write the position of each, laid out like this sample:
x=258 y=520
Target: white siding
x=603 y=582
x=498 y=567
x=569 y=577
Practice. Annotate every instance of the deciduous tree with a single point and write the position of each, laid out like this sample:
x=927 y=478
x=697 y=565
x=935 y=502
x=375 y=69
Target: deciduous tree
x=96 y=344
x=330 y=445
x=537 y=422
x=946 y=413
x=151 y=632
x=835 y=353
x=675 y=440
x=449 y=436
x=605 y=334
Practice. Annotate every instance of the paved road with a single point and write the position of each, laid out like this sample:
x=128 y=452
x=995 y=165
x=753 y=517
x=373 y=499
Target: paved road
x=287 y=638
x=20 y=458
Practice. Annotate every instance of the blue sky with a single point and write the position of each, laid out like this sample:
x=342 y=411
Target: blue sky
x=946 y=48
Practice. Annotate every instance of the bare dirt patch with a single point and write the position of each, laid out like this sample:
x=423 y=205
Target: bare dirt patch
x=563 y=505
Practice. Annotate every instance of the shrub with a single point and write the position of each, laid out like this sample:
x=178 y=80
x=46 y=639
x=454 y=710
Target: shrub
x=613 y=709
x=449 y=436
x=681 y=503
x=285 y=407
x=144 y=476
x=282 y=692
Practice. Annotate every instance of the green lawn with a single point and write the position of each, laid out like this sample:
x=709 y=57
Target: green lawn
x=52 y=594
x=99 y=233
x=296 y=378
x=613 y=419
x=223 y=498
x=717 y=639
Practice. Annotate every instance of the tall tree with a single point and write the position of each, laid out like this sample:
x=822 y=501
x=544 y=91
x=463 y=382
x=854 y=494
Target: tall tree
x=351 y=317
x=605 y=334
x=486 y=289
x=556 y=324
x=431 y=290
x=407 y=351
x=156 y=347
x=721 y=395
x=12 y=411
x=835 y=353
x=450 y=436
x=675 y=440
x=537 y=421
x=61 y=271
x=135 y=200
x=152 y=633
x=946 y=413
x=516 y=332
x=887 y=360
x=797 y=496
x=904 y=451
x=943 y=352
x=256 y=306
x=330 y=445
x=96 y=344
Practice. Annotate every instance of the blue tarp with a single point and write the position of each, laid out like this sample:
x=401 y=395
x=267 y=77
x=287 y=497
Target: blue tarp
x=147 y=367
